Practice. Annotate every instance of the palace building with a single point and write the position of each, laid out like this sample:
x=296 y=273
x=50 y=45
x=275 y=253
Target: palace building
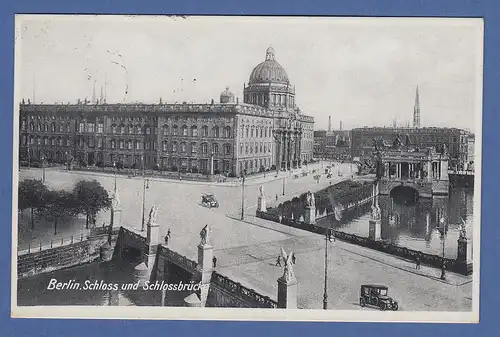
x=266 y=131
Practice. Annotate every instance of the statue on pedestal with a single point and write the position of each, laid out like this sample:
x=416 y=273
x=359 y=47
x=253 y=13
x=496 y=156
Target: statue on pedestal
x=205 y=235
x=310 y=202
x=375 y=212
x=261 y=190
x=463 y=232
x=152 y=215
x=288 y=273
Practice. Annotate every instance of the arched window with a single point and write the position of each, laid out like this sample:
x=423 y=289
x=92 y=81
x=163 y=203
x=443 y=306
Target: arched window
x=32 y=127
x=147 y=129
x=251 y=133
x=113 y=128
x=46 y=127
x=174 y=147
x=241 y=148
x=61 y=128
x=247 y=131
x=215 y=148
x=194 y=148
x=138 y=130
x=53 y=127
x=256 y=148
x=165 y=145
x=130 y=130
x=38 y=127
x=122 y=144
x=194 y=131
x=137 y=145
x=184 y=130
x=175 y=130
x=204 y=148
x=122 y=129
x=204 y=131
x=215 y=131
x=227 y=148
x=183 y=147
x=81 y=127
x=260 y=148
x=242 y=131
x=165 y=130
x=261 y=132
x=227 y=132
x=265 y=132
x=129 y=144
x=113 y=144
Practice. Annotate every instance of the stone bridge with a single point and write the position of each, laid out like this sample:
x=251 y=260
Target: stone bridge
x=156 y=262
x=424 y=170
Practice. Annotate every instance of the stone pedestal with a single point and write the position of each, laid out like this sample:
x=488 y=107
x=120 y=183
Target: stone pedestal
x=192 y=301
x=116 y=217
x=105 y=252
x=152 y=239
x=287 y=293
x=205 y=268
x=310 y=215
x=375 y=230
x=141 y=273
x=464 y=252
x=261 y=204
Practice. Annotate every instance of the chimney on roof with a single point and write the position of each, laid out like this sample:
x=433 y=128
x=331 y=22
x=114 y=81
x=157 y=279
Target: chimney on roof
x=329 y=123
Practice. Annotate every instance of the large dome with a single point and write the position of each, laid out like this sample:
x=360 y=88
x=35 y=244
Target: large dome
x=269 y=71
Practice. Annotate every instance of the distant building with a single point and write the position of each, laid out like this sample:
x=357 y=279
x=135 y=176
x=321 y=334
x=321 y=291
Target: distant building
x=334 y=144
x=266 y=131
x=456 y=140
x=471 y=143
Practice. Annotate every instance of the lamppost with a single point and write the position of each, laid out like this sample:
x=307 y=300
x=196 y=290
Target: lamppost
x=325 y=294
x=145 y=186
x=43 y=169
x=284 y=185
x=242 y=195
x=114 y=167
x=442 y=222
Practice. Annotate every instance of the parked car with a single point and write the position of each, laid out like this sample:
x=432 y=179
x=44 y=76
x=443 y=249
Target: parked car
x=208 y=200
x=376 y=295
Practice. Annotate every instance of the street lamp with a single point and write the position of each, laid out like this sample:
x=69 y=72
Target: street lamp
x=442 y=221
x=43 y=169
x=242 y=195
x=325 y=294
x=145 y=186
x=114 y=166
x=284 y=185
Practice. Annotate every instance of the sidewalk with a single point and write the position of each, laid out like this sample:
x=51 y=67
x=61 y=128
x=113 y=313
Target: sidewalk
x=380 y=257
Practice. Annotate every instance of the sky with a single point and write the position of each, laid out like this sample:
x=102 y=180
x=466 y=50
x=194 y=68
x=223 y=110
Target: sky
x=361 y=71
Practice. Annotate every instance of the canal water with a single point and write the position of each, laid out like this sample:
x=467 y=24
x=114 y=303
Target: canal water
x=93 y=280
x=414 y=224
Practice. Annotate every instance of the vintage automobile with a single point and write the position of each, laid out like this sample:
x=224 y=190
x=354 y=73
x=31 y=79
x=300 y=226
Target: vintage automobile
x=376 y=295
x=208 y=200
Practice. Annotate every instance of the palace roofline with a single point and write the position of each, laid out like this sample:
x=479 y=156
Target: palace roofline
x=236 y=108
x=406 y=129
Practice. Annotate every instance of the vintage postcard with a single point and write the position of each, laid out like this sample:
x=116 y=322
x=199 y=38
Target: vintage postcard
x=247 y=168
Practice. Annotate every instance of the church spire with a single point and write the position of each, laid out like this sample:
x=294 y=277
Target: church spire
x=416 y=111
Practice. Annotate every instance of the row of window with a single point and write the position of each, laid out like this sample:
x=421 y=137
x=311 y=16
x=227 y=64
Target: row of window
x=193 y=147
x=258 y=147
x=276 y=99
x=254 y=164
x=193 y=131
x=255 y=131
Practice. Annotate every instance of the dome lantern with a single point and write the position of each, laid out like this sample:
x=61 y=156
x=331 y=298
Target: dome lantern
x=226 y=96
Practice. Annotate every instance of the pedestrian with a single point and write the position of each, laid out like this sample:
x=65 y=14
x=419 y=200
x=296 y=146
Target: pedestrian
x=417 y=262
x=214 y=262
x=293 y=258
x=276 y=197
x=278 y=261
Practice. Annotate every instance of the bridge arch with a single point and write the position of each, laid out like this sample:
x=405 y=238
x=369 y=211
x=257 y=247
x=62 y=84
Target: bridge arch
x=404 y=194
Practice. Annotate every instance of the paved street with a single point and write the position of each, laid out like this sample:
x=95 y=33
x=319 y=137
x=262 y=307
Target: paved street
x=247 y=250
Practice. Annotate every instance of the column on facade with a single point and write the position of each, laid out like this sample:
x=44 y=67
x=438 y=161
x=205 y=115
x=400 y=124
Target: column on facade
x=299 y=157
x=285 y=154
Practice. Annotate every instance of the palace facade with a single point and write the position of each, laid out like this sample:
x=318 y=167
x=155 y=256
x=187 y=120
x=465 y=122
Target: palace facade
x=267 y=131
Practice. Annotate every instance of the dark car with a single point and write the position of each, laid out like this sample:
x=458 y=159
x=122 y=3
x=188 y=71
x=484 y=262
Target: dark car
x=376 y=295
x=208 y=200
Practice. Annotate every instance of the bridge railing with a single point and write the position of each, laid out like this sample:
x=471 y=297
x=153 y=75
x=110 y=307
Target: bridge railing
x=53 y=243
x=242 y=292
x=178 y=259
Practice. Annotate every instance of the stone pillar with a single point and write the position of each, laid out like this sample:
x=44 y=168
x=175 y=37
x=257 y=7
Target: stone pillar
x=375 y=230
x=205 y=268
x=444 y=170
x=287 y=293
x=212 y=163
x=310 y=215
x=261 y=203
x=464 y=254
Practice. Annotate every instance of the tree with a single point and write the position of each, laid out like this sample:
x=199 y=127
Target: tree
x=31 y=195
x=59 y=205
x=90 y=198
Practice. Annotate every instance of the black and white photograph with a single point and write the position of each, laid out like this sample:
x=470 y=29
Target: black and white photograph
x=247 y=168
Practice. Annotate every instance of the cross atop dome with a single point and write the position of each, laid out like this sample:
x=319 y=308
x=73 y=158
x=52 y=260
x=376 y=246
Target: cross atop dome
x=270 y=54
